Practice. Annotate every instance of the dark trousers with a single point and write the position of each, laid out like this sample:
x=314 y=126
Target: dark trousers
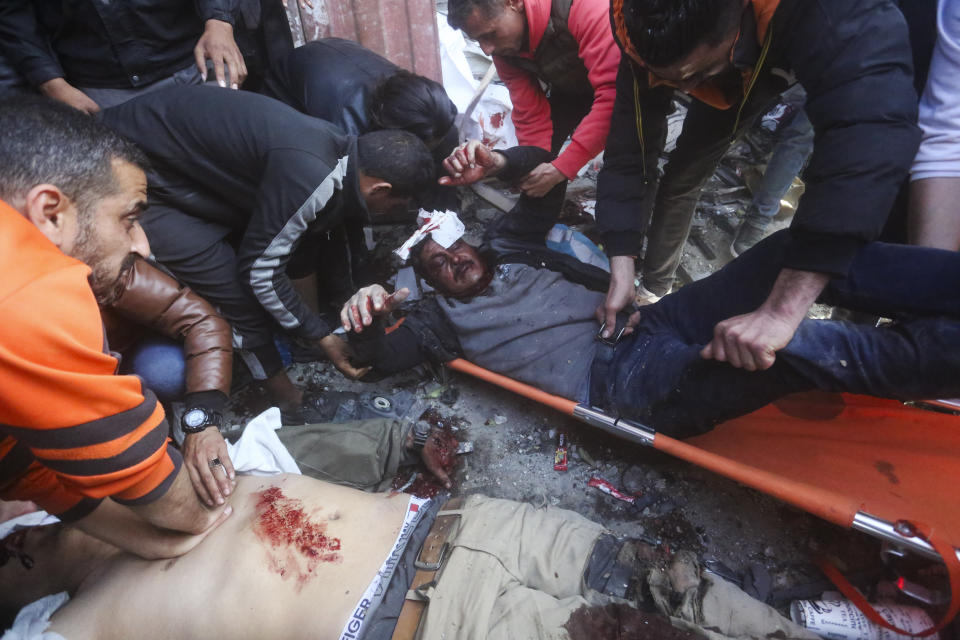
x=199 y=254
x=656 y=375
x=706 y=136
x=566 y=112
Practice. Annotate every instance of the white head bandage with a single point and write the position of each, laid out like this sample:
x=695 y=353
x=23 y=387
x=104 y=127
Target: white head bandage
x=443 y=226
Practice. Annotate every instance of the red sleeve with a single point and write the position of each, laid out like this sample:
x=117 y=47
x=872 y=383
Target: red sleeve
x=100 y=433
x=531 y=110
x=589 y=23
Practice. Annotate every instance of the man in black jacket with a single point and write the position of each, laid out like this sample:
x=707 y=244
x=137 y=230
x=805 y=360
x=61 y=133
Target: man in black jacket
x=93 y=55
x=520 y=309
x=246 y=193
x=345 y=83
x=853 y=59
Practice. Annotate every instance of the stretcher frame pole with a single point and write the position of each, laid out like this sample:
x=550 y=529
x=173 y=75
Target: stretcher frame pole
x=883 y=530
x=644 y=435
x=626 y=429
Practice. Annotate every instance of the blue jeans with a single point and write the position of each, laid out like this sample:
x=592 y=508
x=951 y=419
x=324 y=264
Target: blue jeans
x=656 y=375
x=160 y=363
x=794 y=145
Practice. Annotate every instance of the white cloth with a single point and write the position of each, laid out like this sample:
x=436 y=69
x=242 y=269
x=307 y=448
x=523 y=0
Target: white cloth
x=259 y=451
x=32 y=621
x=490 y=120
x=27 y=520
x=939 y=153
x=444 y=227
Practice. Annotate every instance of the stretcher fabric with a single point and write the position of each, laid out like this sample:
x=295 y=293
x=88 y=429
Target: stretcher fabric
x=832 y=455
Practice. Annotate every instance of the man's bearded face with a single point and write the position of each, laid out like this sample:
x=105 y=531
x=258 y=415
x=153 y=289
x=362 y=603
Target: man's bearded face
x=458 y=271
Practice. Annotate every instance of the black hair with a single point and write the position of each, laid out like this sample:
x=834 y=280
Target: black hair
x=459 y=10
x=397 y=157
x=664 y=32
x=413 y=103
x=44 y=141
x=416 y=260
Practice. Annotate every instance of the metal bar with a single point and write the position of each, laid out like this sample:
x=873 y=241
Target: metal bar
x=623 y=428
x=885 y=531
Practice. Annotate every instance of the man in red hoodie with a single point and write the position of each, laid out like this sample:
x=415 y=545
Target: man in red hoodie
x=569 y=47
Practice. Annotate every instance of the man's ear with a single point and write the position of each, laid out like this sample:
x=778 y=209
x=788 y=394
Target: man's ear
x=516 y=5
x=381 y=189
x=52 y=212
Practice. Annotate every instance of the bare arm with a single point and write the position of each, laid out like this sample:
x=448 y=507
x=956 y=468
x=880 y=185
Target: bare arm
x=934 y=215
x=750 y=341
x=180 y=509
x=122 y=527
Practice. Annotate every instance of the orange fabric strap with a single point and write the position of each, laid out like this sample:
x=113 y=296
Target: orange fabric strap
x=949 y=556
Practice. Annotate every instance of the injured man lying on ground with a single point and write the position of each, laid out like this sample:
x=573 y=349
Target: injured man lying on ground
x=302 y=558
x=520 y=309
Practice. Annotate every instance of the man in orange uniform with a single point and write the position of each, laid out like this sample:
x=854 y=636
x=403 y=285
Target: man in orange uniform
x=71 y=432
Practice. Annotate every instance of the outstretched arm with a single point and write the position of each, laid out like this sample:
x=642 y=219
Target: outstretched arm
x=471 y=162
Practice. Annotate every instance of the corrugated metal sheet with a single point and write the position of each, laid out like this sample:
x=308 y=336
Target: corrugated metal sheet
x=403 y=31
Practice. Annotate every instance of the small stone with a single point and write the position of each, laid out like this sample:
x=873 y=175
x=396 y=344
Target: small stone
x=632 y=479
x=499 y=419
x=660 y=485
x=770 y=552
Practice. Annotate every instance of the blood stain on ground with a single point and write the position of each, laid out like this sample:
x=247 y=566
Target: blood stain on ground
x=296 y=545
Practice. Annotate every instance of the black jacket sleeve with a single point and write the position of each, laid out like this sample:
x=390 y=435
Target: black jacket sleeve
x=627 y=182
x=531 y=218
x=223 y=10
x=853 y=58
x=26 y=44
x=425 y=335
x=295 y=190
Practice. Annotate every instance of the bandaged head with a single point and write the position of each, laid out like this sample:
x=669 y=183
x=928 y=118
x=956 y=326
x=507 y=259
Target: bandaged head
x=443 y=227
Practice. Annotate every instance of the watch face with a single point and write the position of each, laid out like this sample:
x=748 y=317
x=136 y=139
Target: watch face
x=194 y=418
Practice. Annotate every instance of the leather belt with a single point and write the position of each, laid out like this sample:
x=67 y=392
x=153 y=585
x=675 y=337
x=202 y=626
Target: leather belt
x=428 y=563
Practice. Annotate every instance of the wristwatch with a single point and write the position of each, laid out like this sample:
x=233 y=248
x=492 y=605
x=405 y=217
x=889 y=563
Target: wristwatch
x=196 y=419
x=421 y=432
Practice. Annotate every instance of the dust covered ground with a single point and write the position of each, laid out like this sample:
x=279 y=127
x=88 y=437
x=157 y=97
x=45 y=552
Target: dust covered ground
x=738 y=532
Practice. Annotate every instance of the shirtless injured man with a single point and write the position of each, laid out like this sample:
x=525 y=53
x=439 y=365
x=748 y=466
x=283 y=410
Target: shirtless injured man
x=301 y=558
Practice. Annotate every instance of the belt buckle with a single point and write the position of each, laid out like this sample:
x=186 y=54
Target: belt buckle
x=613 y=339
x=432 y=566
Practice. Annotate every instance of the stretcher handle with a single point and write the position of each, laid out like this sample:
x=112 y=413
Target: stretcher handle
x=953 y=569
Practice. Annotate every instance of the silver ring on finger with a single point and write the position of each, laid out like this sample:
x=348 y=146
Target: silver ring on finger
x=213 y=464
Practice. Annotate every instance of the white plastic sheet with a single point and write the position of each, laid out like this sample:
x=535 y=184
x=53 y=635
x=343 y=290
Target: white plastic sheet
x=490 y=120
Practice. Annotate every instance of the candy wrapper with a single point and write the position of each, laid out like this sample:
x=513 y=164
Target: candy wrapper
x=611 y=490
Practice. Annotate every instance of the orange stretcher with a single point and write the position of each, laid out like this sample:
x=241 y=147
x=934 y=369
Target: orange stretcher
x=869 y=464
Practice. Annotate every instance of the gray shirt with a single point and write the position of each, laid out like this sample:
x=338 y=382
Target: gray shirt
x=531 y=325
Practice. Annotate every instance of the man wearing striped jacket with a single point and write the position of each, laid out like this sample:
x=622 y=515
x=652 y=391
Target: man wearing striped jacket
x=72 y=433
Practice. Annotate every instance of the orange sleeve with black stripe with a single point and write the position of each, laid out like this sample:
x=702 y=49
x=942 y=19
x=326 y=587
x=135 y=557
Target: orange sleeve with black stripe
x=100 y=434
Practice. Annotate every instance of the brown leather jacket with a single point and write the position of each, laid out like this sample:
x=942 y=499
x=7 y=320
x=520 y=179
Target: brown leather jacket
x=152 y=299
